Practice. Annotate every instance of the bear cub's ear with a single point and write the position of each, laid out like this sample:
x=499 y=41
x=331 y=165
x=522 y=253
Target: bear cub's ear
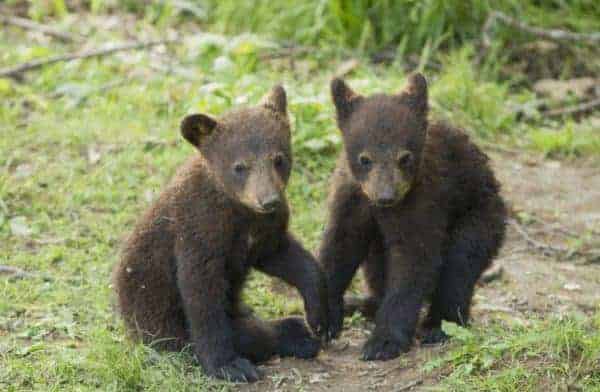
x=197 y=127
x=416 y=92
x=276 y=100
x=344 y=99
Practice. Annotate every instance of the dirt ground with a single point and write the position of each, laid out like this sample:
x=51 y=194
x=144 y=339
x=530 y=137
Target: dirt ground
x=556 y=201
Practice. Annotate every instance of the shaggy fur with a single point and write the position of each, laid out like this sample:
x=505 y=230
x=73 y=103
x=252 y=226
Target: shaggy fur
x=417 y=206
x=182 y=270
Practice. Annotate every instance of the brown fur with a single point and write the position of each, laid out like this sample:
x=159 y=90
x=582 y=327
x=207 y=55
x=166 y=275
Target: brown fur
x=183 y=268
x=417 y=206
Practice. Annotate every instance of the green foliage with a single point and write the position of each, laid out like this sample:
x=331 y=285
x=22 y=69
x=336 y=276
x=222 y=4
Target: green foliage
x=466 y=98
x=367 y=25
x=513 y=356
x=571 y=140
x=39 y=9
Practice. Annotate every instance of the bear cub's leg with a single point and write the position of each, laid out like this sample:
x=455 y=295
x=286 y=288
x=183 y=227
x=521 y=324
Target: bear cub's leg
x=473 y=244
x=259 y=340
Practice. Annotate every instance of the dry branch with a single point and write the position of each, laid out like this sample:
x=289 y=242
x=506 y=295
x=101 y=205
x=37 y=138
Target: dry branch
x=14 y=272
x=547 y=249
x=551 y=34
x=556 y=227
x=588 y=255
x=581 y=107
x=409 y=385
x=34 y=26
x=30 y=65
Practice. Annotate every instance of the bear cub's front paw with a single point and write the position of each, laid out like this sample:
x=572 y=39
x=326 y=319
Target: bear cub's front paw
x=295 y=340
x=433 y=336
x=383 y=348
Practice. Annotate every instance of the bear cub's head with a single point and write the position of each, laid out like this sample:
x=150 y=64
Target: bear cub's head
x=247 y=150
x=383 y=137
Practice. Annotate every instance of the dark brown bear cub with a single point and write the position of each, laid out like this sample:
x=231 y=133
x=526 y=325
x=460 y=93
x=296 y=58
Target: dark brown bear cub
x=183 y=268
x=417 y=206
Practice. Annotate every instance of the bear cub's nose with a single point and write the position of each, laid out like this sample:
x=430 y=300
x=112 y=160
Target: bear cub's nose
x=271 y=203
x=386 y=197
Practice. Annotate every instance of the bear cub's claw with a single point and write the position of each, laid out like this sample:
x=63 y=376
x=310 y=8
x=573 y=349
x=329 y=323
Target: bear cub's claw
x=238 y=370
x=336 y=320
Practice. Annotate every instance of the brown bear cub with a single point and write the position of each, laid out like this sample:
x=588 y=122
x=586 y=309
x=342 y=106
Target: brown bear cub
x=183 y=268
x=417 y=206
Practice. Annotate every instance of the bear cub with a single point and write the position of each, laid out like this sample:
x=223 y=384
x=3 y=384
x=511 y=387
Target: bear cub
x=417 y=206
x=183 y=268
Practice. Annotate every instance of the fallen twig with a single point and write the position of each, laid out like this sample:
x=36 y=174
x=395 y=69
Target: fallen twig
x=15 y=272
x=546 y=249
x=410 y=385
x=588 y=255
x=559 y=229
x=551 y=34
x=79 y=99
x=555 y=226
x=34 y=26
x=290 y=51
x=492 y=274
x=582 y=107
x=28 y=66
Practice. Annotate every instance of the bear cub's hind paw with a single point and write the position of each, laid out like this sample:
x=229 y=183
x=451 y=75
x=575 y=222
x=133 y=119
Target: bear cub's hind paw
x=295 y=340
x=238 y=370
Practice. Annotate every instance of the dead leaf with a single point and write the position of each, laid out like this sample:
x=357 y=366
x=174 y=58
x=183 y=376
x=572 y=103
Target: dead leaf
x=24 y=170
x=297 y=376
x=541 y=46
x=572 y=286
x=94 y=154
x=222 y=64
x=19 y=227
x=346 y=67
x=148 y=195
x=318 y=377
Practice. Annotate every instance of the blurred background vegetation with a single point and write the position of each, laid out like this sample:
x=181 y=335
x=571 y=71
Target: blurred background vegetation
x=86 y=144
x=500 y=85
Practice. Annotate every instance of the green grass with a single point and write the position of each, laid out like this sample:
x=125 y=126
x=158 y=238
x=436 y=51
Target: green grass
x=85 y=146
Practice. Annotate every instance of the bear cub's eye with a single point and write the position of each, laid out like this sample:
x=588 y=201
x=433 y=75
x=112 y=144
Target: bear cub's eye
x=278 y=160
x=239 y=167
x=405 y=158
x=364 y=159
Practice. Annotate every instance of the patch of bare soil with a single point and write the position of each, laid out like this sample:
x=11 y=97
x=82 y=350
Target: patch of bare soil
x=547 y=267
